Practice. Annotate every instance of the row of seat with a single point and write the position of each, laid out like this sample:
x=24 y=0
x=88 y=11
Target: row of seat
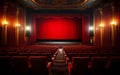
x=95 y=66
x=24 y=65
x=29 y=51
x=91 y=49
x=48 y=55
x=31 y=64
x=90 y=55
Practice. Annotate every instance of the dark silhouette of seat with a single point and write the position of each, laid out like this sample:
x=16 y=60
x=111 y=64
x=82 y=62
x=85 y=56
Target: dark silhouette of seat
x=20 y=65
x=98 y=65
x=114 y=65
x=39 y=65
x=70 y=55
x=5 y=65
x=49 y=56
x=79 y=65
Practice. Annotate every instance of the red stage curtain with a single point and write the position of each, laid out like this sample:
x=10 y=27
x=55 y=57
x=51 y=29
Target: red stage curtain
x=59 y=28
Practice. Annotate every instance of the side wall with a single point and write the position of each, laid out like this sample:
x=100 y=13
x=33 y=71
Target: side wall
x=107 y=19
x=11 y=27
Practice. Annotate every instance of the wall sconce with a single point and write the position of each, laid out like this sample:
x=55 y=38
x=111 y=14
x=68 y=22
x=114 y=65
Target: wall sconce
x=113 y=24
x=91 y=28
x=17 y=33
x=101 y=25
x=4 y=32
x=17 y=25
x=101 y=33
x=28 y=30
x=5 y=23
x=4 y=29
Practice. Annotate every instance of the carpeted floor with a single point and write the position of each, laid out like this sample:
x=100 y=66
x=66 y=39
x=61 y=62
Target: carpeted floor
x=59 y=66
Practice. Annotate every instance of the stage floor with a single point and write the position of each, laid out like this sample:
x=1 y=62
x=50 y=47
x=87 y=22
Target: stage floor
x=60 y=43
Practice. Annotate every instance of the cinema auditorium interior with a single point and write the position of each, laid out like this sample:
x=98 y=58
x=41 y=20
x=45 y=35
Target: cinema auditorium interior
x=59 y=37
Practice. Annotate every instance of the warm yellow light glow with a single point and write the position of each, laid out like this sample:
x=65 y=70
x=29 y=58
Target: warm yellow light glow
x=17 y=25
x=113 y=23
x=4 y=22
x=101 y=25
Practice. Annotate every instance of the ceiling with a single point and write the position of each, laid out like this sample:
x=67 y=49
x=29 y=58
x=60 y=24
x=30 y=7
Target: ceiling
x=60 y=4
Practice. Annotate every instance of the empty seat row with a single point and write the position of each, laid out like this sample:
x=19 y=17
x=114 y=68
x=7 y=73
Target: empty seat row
x=95 y=66
x=90 y=55
x=49 y=55
x=23 y=65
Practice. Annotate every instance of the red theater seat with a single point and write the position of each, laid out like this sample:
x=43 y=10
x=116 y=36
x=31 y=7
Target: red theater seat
x=97 y=65
x=5 y=65
x=39 y=65
x=114 y=65
x=79 y=65
x=70 y=55
x=20 y=65
x=49 y=56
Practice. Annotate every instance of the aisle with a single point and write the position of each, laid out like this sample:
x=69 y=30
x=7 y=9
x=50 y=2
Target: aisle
x=59 y=66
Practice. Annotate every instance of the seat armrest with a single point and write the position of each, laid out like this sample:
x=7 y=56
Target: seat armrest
x=67 y=59
x=49 y=66
x=70 y=66
x=53 y=58
x=90 y=65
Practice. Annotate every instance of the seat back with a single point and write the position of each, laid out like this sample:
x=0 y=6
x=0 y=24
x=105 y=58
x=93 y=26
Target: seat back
x=5 y=65
x=114 y=62
x=114 y=65
x=49 y=56
x=98 y=65
x=99 y=62
x=20 y=65
x=80 y=62
x=39 y=65
x=70 y=55
x=80 y=65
